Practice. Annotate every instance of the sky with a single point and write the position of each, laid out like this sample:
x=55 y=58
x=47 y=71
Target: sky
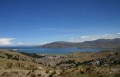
x=36 y=22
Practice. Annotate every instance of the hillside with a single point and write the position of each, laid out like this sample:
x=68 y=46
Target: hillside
x=11 y=59
x=100 y=43
x=76 y=64
x=59 y=44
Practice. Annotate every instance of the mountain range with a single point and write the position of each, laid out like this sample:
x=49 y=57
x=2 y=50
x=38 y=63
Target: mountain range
x=99 y=43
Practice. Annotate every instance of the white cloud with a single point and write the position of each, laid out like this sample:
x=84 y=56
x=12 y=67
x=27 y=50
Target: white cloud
x=94 y=37
x=85 y=37
x=118 y=33
x=73 y=39
x=6 y=41
x=42 y=43
x=23 y=44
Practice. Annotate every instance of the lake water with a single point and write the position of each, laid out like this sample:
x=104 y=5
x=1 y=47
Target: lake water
x=52 y=50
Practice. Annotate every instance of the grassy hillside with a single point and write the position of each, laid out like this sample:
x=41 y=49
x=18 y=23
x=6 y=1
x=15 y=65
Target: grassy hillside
x=10 y=60
x=105 y=63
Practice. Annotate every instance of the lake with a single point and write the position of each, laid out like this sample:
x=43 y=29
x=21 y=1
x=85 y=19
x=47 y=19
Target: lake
x=52 y=50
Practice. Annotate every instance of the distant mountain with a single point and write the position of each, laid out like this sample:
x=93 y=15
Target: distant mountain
x=100 y=43
x=59 y=44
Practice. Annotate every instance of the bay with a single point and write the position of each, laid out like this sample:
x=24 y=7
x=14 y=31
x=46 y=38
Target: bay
x=52 y=50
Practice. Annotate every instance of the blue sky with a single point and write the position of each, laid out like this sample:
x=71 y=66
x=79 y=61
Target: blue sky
x=41 y=21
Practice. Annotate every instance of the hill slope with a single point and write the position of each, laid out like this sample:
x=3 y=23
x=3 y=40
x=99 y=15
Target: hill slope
x=9 y=60
x=101 y=43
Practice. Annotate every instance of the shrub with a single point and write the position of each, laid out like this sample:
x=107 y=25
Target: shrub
x=33 y=75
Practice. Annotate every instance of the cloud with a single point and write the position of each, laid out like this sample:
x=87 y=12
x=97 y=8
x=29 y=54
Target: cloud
x=6 y=41
x=45 y=42
x=94 y=37
x=118 y=33
x=24 y=44
x=72 y=39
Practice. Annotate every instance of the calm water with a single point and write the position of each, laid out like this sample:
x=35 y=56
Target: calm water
x=53 y=50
